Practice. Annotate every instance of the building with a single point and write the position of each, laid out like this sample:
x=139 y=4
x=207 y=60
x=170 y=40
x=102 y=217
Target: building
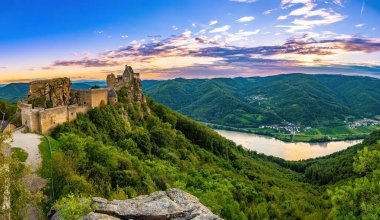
x=6 y=126
x=53 y=102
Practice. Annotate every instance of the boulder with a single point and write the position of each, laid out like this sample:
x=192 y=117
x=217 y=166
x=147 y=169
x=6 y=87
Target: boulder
x=173 y=204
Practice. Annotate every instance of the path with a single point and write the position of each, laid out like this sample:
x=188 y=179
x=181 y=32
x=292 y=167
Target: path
x=33 y=182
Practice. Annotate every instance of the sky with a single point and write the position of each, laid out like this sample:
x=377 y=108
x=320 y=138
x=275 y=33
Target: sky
x=164 y=39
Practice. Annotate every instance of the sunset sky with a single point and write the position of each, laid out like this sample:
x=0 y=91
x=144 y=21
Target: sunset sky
x=163 y=39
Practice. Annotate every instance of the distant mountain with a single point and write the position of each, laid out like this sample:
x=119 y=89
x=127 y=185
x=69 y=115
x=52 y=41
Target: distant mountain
x=150 y=83
x=309 y=100
x=16 y=91
x=80 y=86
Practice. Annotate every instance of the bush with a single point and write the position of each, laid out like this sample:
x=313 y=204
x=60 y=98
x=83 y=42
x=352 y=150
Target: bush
x=73 y=207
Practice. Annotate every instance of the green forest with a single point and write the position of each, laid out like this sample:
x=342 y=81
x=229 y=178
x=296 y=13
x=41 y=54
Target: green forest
x=122 y=151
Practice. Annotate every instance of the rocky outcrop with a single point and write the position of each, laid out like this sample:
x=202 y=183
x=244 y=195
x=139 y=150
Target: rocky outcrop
x=172 y=204
x=50 y=93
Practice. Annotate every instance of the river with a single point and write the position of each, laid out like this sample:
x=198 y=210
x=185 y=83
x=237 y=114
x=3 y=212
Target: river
x=288 y=151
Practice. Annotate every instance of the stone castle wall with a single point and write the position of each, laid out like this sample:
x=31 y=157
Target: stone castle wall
x=51 y=118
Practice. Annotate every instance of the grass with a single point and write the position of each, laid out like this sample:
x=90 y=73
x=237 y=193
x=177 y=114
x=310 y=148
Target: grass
x=45 y=154
x=19 y=154
x=45 y=170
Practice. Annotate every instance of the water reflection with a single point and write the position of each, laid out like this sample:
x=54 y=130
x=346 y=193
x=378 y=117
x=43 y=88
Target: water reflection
x=288 y=151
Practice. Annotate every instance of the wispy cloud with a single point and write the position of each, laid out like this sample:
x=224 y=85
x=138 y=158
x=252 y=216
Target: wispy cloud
x=359 y=25
x=87 y=63
x=308 y=16
x=124 y=36
x=246 y=19
x=213 y=22
x=174 y=27
x=221 y=29
x=362 y=8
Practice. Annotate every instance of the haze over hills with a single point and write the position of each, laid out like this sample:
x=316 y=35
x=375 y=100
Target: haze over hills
x=306 y=100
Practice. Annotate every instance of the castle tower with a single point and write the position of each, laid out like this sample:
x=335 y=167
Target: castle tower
x=128 y=72
x=111 y=80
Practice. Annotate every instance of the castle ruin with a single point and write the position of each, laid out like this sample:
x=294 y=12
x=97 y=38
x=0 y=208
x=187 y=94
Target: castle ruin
x=53 y=102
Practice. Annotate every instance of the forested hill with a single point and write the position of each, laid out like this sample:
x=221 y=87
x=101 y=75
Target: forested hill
x=130 y=149
x=307 y=100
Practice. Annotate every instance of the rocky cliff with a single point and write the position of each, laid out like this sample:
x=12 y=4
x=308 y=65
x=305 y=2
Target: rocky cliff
x=50 y=93
x=172 y=204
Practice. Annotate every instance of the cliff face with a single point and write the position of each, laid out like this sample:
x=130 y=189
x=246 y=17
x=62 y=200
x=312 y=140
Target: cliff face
x=50 y=93
x=171 y=204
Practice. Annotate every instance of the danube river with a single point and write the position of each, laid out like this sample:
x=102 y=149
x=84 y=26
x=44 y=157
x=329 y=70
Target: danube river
x=288 y=151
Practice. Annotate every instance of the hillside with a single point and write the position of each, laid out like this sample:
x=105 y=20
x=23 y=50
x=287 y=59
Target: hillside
x=103 y=154
x=293 y=100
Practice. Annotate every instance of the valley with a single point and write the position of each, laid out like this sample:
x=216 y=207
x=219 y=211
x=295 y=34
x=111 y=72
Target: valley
x=291 y=107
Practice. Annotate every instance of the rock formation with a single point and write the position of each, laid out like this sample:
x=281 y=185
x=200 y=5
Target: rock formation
x=172 y=204
x=50 y=93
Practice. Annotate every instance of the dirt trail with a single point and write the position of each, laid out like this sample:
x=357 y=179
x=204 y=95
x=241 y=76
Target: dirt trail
x=33 y=182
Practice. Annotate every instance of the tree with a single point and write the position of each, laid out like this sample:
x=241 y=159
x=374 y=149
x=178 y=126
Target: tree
x=14 y=195
x=360 y=199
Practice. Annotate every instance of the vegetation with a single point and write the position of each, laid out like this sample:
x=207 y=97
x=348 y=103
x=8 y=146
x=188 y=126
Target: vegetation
x=14 y=196
x=7 y=110
x=323 y=102
x=102 y=154
x=74 y=207
x=19 y=154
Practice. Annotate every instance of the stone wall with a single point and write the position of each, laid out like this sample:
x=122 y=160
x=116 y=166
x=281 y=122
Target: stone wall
x=99 y=97
x=52 y=117
x=92 y=98
x=30 y=117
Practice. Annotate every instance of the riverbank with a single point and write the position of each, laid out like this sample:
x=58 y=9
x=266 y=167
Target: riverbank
x=315 y=135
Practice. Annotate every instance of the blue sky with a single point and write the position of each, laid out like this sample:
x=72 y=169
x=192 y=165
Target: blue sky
x=187 y=38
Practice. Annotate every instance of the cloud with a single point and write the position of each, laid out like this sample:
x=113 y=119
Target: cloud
x=362 y=9
x=174 y=27
x=248 y=33
x=192 y=55
x=308 y=15
x=87 y=63
x=47 y=68
x=221 y=29
x=359 y=25
x=124 y=36
x=213 y=22
x=99 y=32
x=338 y=2
x=267 y=12
x=244 y=1
x=246 y=19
